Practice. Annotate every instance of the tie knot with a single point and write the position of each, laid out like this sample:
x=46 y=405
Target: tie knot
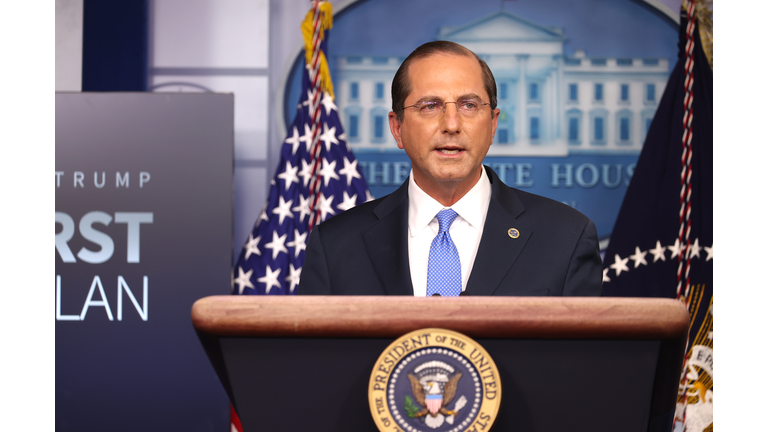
x=445 y=218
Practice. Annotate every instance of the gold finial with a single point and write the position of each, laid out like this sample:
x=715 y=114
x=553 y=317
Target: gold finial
x=307 y=31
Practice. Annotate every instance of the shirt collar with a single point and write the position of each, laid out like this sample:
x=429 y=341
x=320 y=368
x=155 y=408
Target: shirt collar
x=472 y=207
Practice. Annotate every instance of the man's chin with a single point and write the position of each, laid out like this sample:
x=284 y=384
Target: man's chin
x=448 y=175
x=453 y=177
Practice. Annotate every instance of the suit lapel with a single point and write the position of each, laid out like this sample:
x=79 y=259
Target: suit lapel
x=387 y=243
x=498 y=250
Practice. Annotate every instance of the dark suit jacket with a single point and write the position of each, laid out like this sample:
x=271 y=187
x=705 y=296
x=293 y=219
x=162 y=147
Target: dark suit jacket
x=364 y=251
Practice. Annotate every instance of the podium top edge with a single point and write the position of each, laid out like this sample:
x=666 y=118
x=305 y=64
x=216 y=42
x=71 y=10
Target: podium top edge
x=480 y=317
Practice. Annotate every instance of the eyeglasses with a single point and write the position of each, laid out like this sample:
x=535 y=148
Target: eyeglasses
x=468 y=108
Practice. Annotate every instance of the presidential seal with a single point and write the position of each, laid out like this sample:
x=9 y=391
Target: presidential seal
x=434 y=380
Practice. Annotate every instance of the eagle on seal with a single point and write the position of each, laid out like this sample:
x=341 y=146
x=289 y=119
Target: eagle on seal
x=432 y=397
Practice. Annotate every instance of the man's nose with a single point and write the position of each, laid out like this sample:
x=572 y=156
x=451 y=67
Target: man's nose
x=451 y=118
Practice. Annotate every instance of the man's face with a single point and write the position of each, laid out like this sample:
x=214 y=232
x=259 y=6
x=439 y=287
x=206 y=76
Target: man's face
x=446 y=151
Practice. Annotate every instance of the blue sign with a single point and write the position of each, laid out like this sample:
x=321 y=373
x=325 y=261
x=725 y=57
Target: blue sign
x=578 y=85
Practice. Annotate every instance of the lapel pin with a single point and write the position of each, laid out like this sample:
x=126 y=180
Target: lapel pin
x=514 y=233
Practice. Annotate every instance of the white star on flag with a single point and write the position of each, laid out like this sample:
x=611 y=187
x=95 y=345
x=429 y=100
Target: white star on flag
x=302 y=208
x=307 y=137
x=252 y=247
x=639 y=257
x=328 y=103
x=310 y=98
x=695 y=249
x=263 y=215
x=243 y=279
x=676 y=248
x=348 y=202
x=328 y=171
x=350 y=170
x=299 y=242
x=289 y=175
x=658 y=252
x=294 y=275
x=605 y=275
x=283 y=210
x=277 y=244
x=294 y=140
x=325 y=206
x=329 y=137
x=710 y=252
x=620 y=265
x=306 y=172
x=270 y=279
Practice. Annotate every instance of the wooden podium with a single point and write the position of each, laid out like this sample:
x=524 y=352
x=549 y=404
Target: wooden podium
x=566 y=364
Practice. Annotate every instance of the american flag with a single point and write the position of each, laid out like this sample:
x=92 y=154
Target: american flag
x=317 y=178
x=306 y=190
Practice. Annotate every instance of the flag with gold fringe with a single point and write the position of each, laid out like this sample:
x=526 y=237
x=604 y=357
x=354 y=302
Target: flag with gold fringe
x=661 y=245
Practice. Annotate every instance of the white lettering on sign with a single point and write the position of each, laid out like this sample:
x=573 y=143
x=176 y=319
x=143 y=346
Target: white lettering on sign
x=122 y=180
x=101 y=239
x=96 y=284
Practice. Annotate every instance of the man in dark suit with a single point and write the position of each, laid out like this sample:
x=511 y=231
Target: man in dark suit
x=453 y=227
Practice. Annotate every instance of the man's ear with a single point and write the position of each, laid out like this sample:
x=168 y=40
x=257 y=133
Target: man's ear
x=495 y=123
x=394 y=127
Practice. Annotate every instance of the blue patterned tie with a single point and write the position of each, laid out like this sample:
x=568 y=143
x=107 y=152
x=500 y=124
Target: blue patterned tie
x=444 y=270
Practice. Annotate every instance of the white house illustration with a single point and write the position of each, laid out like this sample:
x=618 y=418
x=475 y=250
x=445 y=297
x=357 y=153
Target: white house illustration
x=551 y=105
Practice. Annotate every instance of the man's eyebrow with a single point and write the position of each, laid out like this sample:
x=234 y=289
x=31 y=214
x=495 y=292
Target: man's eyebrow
x=430 y=98
x=469 y=96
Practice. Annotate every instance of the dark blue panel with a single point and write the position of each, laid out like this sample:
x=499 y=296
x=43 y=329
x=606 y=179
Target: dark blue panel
x=115 y=45
x=125 y=366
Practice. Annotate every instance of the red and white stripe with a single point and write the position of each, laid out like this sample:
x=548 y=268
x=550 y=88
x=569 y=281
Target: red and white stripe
x=314 y=111
x=684 y=240
x=434 y=405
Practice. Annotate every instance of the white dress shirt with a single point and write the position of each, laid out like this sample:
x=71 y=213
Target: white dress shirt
x=466 y=230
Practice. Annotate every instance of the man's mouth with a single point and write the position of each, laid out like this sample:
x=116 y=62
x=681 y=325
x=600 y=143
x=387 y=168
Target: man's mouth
x=449 y=151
